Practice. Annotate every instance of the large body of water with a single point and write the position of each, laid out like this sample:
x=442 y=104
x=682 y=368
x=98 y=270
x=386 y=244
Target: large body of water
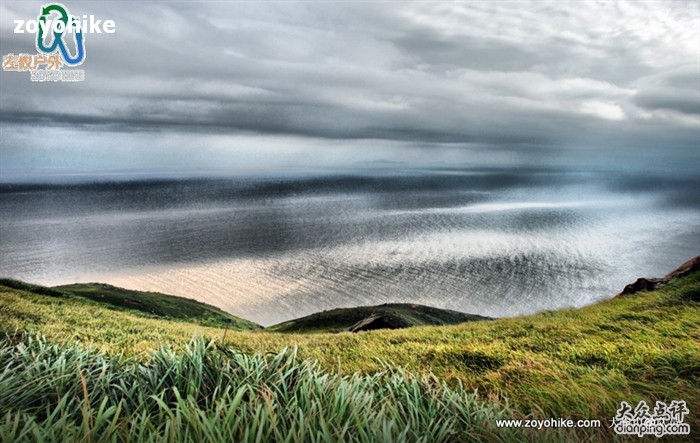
x=496 y=242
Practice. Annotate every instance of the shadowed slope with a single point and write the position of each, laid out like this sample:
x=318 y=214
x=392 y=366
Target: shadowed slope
x=387 y=316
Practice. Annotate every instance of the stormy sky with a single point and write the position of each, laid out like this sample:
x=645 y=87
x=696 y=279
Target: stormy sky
x=255 y=86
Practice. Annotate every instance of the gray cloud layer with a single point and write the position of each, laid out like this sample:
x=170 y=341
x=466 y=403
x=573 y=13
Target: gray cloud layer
x=478 y=76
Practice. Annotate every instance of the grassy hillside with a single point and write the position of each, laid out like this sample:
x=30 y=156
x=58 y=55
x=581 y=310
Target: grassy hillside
x=575 y=363
x=29 y=287
x=397 y=315
x=149 y=304
x=157 y=305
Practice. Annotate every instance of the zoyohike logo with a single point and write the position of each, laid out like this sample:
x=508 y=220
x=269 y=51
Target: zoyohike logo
x=60 y=42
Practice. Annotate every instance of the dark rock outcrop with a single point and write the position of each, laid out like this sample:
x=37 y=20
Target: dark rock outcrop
x=643 y=284
x=649 y=284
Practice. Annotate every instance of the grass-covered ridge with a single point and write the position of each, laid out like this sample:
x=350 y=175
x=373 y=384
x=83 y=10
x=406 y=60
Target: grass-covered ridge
x=397 y=315
x=575 y=363
x=29 y=287
x=155 y=304
x=148 y=304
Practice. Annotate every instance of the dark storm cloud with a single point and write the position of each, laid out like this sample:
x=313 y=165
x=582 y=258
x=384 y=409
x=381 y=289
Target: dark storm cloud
x=687 y=104
x=516 y=75
x=675 y=90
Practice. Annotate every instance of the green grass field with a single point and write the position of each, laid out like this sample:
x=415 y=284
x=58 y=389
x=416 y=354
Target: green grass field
x=575 y=363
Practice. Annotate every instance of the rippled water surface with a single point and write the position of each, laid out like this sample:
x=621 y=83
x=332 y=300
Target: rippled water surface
x=496 y=242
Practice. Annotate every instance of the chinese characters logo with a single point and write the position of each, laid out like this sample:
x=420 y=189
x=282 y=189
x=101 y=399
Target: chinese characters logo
x=60 y=43
x=663 y=420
